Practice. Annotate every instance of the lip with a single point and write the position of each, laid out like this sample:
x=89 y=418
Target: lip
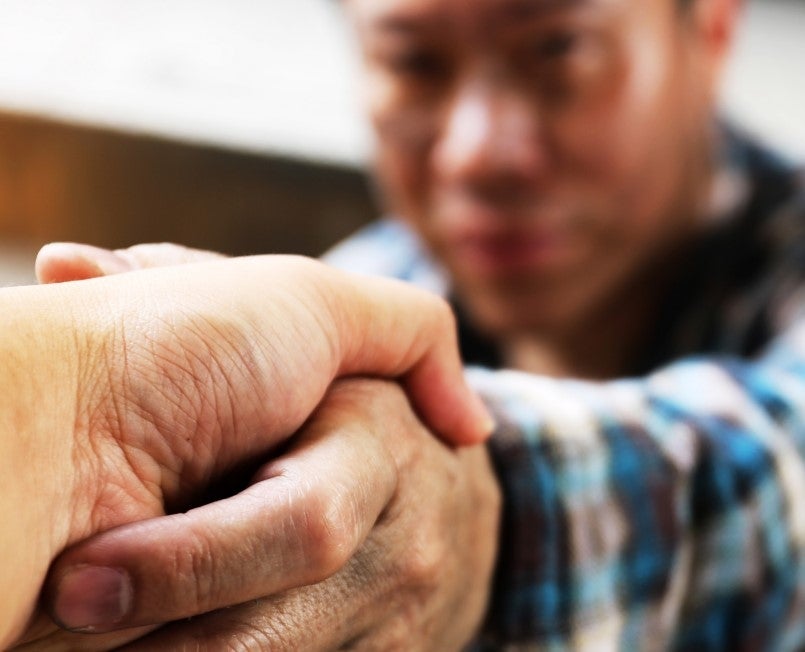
x=508 y=253
x=499 y=244
x=522 y=236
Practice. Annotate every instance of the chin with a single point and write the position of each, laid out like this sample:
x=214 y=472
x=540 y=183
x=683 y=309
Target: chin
x=500 y=318
x=537 y=307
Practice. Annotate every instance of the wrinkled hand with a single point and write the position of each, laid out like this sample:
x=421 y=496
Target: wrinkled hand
x=363 y=314
x=389 y=535
x=185 y=373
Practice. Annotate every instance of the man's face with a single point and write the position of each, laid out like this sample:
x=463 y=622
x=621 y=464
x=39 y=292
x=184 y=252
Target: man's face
x=549 y=152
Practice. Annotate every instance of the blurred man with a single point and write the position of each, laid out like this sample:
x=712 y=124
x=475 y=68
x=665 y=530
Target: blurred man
x=557 y=169
x=555 y=157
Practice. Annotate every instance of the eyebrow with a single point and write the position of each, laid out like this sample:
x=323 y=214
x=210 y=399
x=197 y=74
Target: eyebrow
x=412 y=22
x=402 y=23
x=525 y=9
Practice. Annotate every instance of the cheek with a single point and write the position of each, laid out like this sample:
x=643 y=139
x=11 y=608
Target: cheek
x=606 y=141
x=613 y=134
x=404 y=142
x=400 y=176
x=401 y=118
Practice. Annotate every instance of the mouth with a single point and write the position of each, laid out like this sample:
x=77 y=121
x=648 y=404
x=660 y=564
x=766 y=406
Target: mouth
x=503 y=243
x=508 y=253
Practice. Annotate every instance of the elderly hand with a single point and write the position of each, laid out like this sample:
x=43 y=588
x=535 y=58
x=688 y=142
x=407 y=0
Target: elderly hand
x=388 y=536
x=181 y=375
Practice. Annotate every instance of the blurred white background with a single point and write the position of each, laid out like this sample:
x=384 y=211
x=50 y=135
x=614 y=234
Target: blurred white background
x=256 y=75
x=276 y=76
x=765 y=84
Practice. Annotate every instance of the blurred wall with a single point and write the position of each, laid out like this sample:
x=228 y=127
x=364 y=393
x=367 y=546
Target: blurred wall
x=765 y=80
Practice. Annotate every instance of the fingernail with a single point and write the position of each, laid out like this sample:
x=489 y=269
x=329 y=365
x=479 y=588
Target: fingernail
x=486 y=424
x=107 y=261
x=92 y=598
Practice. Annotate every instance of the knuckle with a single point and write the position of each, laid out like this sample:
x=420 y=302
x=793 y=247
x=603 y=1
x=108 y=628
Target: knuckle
x=248 y=640
x=444 y=319
x=421 y=564
x=329 y=533
x=398 y=633
x=225 y=635
x=155 y=254
x=277 y=635
x=194 y=570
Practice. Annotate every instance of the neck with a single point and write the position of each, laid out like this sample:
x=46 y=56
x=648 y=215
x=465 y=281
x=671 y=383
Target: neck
x=604 y=344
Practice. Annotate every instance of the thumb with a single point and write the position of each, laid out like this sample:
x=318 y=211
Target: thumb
x=411 y=334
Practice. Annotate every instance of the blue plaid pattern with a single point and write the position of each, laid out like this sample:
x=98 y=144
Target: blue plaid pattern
x=665 y=512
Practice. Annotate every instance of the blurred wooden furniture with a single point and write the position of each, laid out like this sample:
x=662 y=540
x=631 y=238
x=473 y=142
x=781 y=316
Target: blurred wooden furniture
x=66 y=182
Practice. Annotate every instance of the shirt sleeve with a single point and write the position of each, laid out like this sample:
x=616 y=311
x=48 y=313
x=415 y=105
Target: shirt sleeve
x=665 y=513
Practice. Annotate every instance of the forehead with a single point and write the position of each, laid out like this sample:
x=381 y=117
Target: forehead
x=410 y=15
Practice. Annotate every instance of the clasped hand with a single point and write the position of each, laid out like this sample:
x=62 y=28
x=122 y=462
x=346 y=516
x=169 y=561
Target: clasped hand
x=363 y=530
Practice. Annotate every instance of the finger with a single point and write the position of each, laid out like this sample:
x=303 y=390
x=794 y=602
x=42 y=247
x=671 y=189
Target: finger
x=59 y=262
x=323 y=616
x=61 y=641
x=297 y=526
x=385 y=598
x=423 y=350
x=412 y=333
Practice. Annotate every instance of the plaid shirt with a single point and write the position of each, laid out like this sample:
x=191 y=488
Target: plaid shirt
x=665 y=512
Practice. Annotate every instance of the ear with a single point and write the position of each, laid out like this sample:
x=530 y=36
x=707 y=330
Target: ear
x=715 y=22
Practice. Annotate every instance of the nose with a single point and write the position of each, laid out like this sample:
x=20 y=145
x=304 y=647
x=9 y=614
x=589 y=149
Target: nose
x=490 y=138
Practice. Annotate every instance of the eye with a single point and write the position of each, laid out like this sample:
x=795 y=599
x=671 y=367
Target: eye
x=423 y=65
x=558 y=45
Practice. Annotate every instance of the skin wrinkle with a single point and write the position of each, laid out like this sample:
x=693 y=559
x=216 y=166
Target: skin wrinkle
x=339 y=608
x=192 y=559
x=153 y=426
x=90 y=402
x=268 y=342
x=293 y=491
x=153 y=422
x=329 y=602
x=248 y=639
x=261 y=548
x=187 y=381
x=108 y=416
x=339 y=532
x=274 y=633
x=312 y=493
x=324 y=539
x=363 y=581
x=201 y=372
x=425 y=577
x=88 y=414
x=242 y=360
x=202 y=567
x=391 y=449
x=172 y=378
x=334 y=303
x=338 y=520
